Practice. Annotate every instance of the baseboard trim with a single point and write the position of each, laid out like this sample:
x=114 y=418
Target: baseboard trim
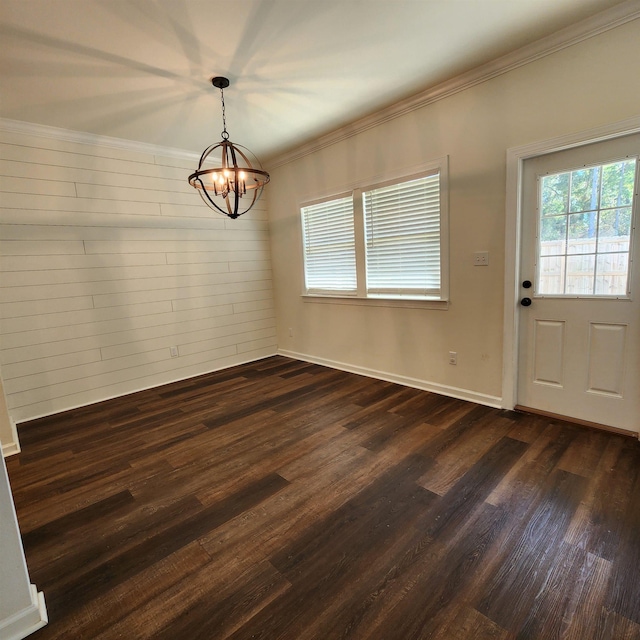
x=13 y=446
x=424 y=385
x=10 y=449
x=25 y=622
x=583 y=423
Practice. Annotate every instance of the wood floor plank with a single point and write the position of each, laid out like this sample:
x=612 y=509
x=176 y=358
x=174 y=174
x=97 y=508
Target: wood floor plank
x=524 y=571
x=346 y=615
x=466 y=622
x=392 y=493
x=51 y=540
x=283 y=500
x=525 y=480
x=212 y=602
x=434 y=567
x=611 y=625
x=599 y=520
x=526 y=427
x=571 y=597
x=262 y=531
x=121 y=606
x=353 y=538
x=585 y=452
x=623 y=595
x=455 y=462
x=36 y=513
x=69 y=577
x=95 y=581
x=472 y=489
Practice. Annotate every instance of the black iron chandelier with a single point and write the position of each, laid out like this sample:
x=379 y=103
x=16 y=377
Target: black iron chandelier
x=229 y=177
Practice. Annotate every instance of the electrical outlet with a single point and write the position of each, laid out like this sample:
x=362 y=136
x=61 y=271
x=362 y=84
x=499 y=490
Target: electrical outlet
x=291 y=332
x=173 y=351
x=481 y=259
x=453 y=357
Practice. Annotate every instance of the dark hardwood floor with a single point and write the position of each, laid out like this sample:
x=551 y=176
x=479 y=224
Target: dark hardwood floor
x=281 y=499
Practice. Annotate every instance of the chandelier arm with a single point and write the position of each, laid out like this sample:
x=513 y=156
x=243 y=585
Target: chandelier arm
x=236 y=202
x=255 y=197
x=225 y=155
x=205 y=153
x=232 y=151
x=206 y=198
x=250 y=168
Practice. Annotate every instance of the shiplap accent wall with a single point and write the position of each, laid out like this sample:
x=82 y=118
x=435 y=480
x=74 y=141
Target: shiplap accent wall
x=108 y=258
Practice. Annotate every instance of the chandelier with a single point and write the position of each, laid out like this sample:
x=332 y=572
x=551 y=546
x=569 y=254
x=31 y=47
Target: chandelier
x=229 y=177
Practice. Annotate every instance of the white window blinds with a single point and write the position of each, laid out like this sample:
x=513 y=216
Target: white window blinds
x=402 y=236
x=329 y=246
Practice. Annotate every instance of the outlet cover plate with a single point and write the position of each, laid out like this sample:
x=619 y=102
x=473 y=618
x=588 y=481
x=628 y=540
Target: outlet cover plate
x=481 y=259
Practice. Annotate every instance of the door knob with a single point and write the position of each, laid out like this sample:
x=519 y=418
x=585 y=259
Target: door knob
x=525 y=302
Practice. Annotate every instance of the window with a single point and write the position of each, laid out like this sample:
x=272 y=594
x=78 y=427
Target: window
x=329 y=246
x=387 y=240
x=584 y=230
x=402 y=223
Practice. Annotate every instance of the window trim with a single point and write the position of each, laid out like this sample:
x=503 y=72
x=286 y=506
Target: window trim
x=438 y=165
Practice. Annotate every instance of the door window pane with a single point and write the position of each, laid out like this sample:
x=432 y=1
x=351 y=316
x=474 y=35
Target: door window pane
x=552 y=274
x=617 y=184
x=582 y=227
x=614 y=228
x=585 y=224
x=611 y=273
x=580 y=275
x=555 y=194
x=554 y=235
x=585 y=189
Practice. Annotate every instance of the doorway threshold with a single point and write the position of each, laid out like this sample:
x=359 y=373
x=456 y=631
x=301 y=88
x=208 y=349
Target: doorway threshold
x=583 y=423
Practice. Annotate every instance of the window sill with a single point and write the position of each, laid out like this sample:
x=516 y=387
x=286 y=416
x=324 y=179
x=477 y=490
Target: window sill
x=400 y=303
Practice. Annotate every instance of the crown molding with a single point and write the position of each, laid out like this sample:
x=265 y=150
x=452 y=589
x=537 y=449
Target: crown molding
x=67 y=135
x=590 y=27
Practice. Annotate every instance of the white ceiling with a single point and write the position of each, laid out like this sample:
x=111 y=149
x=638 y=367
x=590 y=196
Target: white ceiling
x=140 y=69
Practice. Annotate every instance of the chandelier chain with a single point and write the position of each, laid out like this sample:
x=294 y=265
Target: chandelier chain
x=225 y=134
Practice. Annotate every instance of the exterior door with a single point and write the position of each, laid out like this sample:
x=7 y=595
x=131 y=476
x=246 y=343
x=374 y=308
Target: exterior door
x=579 y=319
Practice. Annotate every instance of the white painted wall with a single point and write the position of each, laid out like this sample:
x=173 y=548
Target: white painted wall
x=583 y=86
x=107 y=259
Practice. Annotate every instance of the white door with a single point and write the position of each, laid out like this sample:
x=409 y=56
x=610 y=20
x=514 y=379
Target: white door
x=579 y=319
